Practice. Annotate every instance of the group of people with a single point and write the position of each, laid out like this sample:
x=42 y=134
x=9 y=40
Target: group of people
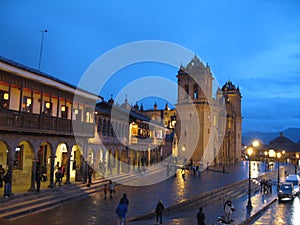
x=59 y=174
x=5 y=181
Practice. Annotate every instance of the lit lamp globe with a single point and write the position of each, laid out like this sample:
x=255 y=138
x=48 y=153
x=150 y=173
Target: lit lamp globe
x=272 y=153
x=249 y=151
x=255 y=143
x=278 y=155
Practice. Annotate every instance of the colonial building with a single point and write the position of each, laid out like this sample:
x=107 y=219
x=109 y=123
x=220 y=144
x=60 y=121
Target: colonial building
x=124 y=139
x=46 y=123
x=38 y=118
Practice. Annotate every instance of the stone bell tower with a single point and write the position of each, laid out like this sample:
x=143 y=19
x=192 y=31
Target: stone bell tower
x=193 y=107
x=230 y=151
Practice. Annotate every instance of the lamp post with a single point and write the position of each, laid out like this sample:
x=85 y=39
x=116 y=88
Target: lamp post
x=249 y=153
x=266 y=156
x=278 y=155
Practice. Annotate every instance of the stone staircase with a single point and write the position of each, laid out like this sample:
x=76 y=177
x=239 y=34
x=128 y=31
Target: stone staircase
x=32 y=202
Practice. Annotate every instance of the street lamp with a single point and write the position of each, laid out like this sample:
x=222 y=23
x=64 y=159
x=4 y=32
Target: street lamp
x=266 y=157
x=255 y=143
x=249 y=153
x=278 y=155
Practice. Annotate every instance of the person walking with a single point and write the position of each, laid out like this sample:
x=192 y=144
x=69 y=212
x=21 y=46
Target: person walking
x=111 y=189
x=2 y=173
x=228 y=210
x=200 y=217
x=121 y=211
x=58 y=177
x=124 y=199
x=38 y=180
x=159 y=210
x=7 y=182
x=90 y=174
x=105 y=190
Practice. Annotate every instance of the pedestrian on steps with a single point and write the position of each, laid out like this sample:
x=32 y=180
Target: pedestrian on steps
x=105 y=190
x=38 y=180
x=58 y=177
x=7 y=186
x=111 y=189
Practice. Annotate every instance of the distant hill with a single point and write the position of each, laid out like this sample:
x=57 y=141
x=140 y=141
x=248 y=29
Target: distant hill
x=292 y=133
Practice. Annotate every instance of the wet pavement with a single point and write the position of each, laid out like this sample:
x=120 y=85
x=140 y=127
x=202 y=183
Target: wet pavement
x=214 y=210
x=283 y=213
x=98 y=211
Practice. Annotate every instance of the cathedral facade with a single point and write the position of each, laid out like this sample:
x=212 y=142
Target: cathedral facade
x=208 y=118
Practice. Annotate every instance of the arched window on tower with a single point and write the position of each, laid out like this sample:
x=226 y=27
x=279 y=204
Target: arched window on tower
x=195 y=94
x=186 y=88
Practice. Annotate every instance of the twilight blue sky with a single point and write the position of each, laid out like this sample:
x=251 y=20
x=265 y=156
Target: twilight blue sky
x=255 y=44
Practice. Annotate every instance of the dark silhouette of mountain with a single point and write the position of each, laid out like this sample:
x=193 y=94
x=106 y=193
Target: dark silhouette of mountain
x=265 y=137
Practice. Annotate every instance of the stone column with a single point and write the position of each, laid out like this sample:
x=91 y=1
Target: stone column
x=52 y=160
x=68 y=169
x=118 y=159
x=33 y=174
x=85 y=171
x=10 y=168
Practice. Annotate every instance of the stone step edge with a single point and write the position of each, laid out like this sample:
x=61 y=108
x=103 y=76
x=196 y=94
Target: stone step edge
x=47 y=205
x=31 y=199
x=258 y=213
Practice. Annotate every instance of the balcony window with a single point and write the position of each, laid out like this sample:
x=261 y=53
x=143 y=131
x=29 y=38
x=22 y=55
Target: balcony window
x=48 y=108
x=77 y=113
x=64 y=111
x=27 y=104
x=4 y=98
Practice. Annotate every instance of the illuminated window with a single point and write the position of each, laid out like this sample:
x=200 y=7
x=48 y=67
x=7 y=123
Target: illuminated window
x=27 y=104
x=134 y=129
x=18 y=158
x=4 y=98
x=47 y=108
x=64 y=111
x=77 y=113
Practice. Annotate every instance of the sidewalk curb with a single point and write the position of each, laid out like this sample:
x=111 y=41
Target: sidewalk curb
x=258 y=213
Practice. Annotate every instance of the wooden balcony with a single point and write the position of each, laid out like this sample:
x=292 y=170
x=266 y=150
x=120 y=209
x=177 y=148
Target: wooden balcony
x=147 y=141
x=15 y=121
